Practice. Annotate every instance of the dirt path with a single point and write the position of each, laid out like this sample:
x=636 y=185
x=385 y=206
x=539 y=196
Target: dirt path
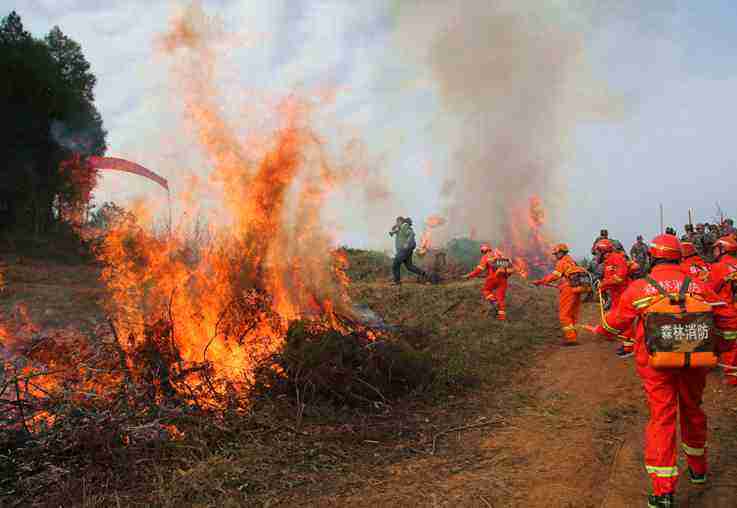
x=572 y=439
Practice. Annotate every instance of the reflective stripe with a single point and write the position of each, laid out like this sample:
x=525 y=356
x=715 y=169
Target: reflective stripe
x=617 y=278
x=662 y=472
x=609 y=328
x=694 y=452
x=730 y=335
x=557 y=273
x=628 y=343
x=642 y=302
x=568 y=327
x=480 y=267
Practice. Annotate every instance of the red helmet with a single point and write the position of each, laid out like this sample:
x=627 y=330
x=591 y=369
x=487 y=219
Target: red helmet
x=603 y=246
x=561 y=247
x=725 y=244
x=665 y=247
x=687 y=249
x=485 y=247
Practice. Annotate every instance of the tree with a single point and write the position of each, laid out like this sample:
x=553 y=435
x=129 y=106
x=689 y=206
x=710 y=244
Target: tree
x=73 y=66
x=47 y=100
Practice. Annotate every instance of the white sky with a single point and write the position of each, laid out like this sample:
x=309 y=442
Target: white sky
x=673 y=64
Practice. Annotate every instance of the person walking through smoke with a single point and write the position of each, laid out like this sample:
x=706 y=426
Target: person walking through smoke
x=404 y=243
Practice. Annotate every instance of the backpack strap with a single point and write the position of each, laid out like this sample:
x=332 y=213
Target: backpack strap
x=681 y=298
x=657 y=286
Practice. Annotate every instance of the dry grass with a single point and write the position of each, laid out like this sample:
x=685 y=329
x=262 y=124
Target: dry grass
x=280 y=453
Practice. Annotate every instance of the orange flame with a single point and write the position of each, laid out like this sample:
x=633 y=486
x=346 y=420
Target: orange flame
x=222 y=304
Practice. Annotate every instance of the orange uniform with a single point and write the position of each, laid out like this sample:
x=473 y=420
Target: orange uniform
x=675 y=390
x=696 y=267
x=569 y=305
x=723 y=281
x=495 y=285
x=616 y=276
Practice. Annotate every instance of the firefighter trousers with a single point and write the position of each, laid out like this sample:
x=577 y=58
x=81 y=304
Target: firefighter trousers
x=569 y=307
x=672 y=394
x=495 y=290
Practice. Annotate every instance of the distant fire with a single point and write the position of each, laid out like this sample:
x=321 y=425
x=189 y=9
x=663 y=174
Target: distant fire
x=426 y=239
x=524 y=239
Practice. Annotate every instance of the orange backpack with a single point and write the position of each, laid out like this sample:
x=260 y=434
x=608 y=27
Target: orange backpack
x=679 y=330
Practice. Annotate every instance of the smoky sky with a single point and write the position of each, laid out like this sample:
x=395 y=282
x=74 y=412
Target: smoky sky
x=663 y=134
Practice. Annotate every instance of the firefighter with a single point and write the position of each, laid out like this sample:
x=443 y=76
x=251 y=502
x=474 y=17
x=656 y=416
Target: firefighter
x=498 y=270
x=723 y=274
x=604 y=235
x=692 y=263
x=615 y=281
x=405 y=244
x=673 y=390
x=569 y=304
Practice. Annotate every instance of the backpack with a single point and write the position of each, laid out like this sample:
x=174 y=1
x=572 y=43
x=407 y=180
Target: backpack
x=679 y=330
x=580 y=280
x=504 y=265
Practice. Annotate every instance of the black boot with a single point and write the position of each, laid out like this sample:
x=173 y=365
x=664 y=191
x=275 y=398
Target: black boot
x=662 y=501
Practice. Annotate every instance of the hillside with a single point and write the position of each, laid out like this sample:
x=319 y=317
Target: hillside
x=509 y=419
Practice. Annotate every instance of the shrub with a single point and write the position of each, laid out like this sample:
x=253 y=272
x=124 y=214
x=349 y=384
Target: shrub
x=323 y=365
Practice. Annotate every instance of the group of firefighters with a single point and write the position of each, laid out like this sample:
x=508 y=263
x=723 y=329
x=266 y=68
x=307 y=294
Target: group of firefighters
x=673 y=305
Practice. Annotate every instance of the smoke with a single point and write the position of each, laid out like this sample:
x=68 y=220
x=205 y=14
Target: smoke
x=514 y=83
x=76 y=140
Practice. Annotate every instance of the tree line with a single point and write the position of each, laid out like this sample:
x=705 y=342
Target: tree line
x=51 y=124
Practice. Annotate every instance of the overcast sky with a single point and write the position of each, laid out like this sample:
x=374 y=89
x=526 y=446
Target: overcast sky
x=672 y=64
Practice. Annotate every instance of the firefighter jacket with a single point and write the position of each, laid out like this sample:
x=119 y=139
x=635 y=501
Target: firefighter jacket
x=696 y=267
x=488 y=264
x=719 y=276
x=564 y=268
x=640 y=293
x=616 y=271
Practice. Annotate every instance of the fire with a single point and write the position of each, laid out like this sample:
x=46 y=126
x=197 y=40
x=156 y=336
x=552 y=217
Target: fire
x=524 y=240
x=426 y=240
x=210 y=311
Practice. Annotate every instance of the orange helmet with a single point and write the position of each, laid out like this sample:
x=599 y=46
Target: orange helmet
x=665 y=247
x=725 y=244
x=485 y=247
x=603 y=246
x=687 y=249
x=561 y=247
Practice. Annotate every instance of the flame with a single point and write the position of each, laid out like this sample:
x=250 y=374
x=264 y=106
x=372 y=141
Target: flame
x=216 y=307
x=426 y=239
x=525 y=240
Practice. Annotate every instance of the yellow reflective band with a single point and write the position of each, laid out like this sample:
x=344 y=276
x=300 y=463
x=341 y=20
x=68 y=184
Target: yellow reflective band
x=642 y=302
x=568 y=327
x=480 y=267
x=693 y=452
x=609 y=328
x=662 y=472
x=730 y=335
x=617 y=278
x=628 y=343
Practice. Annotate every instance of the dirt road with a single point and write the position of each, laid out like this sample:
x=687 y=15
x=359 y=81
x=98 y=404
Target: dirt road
x=567 y=432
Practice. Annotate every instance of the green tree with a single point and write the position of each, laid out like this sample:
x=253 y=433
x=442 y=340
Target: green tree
x=47 y=99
